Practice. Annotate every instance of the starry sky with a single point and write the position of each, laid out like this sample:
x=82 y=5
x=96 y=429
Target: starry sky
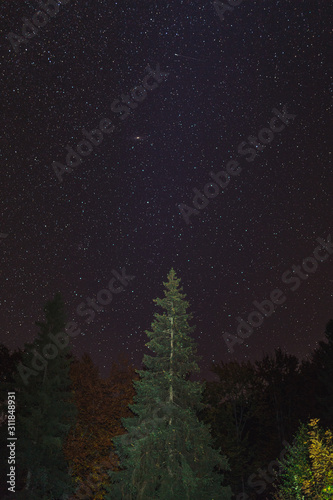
x=218 y=77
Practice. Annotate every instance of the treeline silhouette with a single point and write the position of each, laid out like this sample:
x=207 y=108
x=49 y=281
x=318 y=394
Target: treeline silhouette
x=254 y=411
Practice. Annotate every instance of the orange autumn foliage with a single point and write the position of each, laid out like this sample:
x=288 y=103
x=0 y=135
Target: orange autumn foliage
x=101 y=403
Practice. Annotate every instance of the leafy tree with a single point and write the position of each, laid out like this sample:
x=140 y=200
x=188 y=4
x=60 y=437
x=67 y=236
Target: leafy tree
x=279 y=375
x=308 y=466
x=231 y=411
x=323 y=359
x=167 y=453
x=309 y=389
x=100 y=405
x=321 y=457
x=45 y=409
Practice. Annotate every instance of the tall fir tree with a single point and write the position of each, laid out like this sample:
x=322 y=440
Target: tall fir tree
x=45 y=409
x=167 y=453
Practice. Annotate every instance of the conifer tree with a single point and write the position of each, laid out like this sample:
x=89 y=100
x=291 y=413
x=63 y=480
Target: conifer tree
x=45 y=410
x=167 y=453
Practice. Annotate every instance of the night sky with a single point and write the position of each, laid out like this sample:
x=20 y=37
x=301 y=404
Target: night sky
x=215 y=81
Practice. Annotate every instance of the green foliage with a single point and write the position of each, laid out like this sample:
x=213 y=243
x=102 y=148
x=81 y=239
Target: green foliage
x=308 y=467
x=167 y=453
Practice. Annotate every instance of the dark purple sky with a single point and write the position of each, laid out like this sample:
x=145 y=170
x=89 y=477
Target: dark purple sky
x=221 y=81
